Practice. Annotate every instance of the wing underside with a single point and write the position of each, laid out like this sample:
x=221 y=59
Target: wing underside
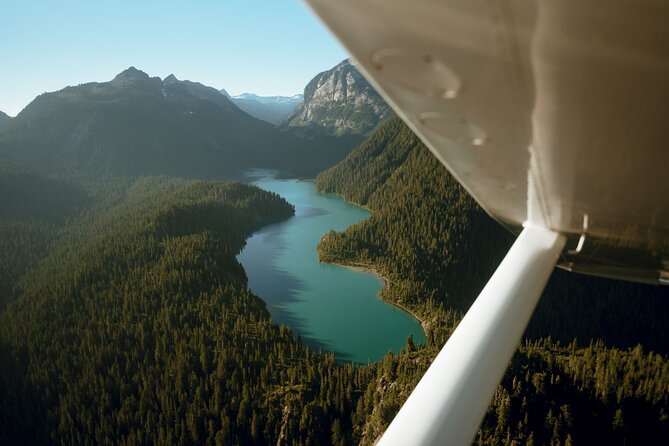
x=551 y=113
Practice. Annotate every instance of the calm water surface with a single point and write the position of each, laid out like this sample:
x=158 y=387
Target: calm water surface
x=331 y=307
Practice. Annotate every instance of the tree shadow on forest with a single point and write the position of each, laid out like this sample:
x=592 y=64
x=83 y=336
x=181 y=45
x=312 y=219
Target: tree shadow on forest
x=548 y=399
x=621 y=314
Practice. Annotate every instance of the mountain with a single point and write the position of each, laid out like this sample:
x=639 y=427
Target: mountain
x=289 y=100
x=139 y=125
x=593 y=351
x=273 y=109
x=426 y=227
x=339 y=102
x=25 y=194
x=4 y=119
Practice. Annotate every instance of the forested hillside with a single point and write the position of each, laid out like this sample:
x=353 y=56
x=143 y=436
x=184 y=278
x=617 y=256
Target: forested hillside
x=137 y=328
x=32 y=209
x=128 y=320
x=125 y=316
x=594 y=365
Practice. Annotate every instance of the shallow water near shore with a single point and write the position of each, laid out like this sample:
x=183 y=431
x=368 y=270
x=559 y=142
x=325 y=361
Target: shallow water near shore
x=331 y=307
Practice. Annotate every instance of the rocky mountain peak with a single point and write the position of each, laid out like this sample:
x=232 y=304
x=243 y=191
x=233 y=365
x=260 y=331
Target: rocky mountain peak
x=340 y=101
x=170 y=79
x=131 y=74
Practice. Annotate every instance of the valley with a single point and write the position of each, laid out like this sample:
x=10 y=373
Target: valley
x=148 y=296
x=330 y=307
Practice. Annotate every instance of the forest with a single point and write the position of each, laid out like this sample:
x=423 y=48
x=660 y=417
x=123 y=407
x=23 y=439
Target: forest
x=136 y=327
x=125 y=317
x=592 y=367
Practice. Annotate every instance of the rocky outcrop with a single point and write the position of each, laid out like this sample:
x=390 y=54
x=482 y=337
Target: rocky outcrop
x=339 y=102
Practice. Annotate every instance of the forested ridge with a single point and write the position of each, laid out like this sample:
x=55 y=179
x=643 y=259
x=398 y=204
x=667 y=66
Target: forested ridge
x=593 y=365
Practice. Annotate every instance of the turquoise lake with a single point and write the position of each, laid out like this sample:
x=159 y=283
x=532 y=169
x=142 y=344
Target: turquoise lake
x=331 y=307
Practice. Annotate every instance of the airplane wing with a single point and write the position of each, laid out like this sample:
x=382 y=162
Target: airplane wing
x=552 y=114
x=548 y=112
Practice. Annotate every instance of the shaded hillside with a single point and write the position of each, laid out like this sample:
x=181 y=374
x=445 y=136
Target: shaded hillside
x=138 y=328
x=33 y=209
x=27 y=195
x=426 y=228
x=138 y=125
x=4 y=119
x=588 y=340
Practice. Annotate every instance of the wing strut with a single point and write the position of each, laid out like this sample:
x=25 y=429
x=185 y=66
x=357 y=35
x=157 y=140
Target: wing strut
x=449 y=402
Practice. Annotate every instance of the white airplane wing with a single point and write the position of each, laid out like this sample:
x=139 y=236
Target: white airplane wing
x=554 y=115
x=550 y=112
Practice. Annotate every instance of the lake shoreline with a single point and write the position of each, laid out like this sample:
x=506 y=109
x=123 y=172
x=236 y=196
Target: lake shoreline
x=340 y=309
x=345 y=200
x=370 y=270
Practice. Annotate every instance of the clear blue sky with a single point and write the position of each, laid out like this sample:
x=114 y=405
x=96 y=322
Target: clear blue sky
x=267 y=47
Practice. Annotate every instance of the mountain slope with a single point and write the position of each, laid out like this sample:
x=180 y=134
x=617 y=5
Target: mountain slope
x=137 y=125
x=272 y=109
x=339 y=102
x=32 y=209
x=139 y=328
x=426 y=228
x=27 y=195
x=571 y=380
x=4 y=119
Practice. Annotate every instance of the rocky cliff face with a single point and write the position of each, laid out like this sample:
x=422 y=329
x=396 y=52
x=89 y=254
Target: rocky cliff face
x=340 y=102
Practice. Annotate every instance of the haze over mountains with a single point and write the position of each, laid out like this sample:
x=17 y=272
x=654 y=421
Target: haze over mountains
x=136 y=124
x=336 y=102
x=273 y=109
x=141 y=125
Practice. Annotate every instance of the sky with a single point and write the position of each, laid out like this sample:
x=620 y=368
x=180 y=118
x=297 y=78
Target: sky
x=267 y=47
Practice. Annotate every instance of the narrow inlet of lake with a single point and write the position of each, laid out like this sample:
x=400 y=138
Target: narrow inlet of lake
x=331 y=307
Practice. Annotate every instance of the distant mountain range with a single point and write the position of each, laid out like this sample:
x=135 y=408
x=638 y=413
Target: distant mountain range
x=273 y=109
x=338 y=102
x=139 y=125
